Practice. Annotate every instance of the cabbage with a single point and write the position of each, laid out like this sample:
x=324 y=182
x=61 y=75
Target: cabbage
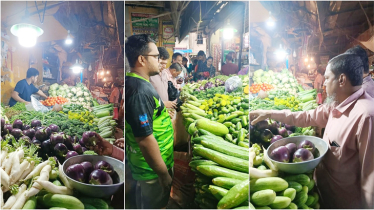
x=53 y=86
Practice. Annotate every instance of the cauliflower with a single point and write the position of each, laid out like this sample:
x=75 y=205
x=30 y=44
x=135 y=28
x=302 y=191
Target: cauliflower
x=88 y=98
x=73 y=90
x=86 y=94
x=70 y=95
x=79 y=93
x=53 y=87
x=81 y=99
x=65 y=86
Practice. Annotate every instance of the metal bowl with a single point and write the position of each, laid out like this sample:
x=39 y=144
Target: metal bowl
x=98 y=191
x=302 y=167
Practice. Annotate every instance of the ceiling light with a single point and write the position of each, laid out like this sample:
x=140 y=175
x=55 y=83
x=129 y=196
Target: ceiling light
x=270 y=22
x=102 y=73
x=107 y=72
x=311 y=58
x=306 y=60
x=309 y=66
x=228 y=31
x=294 y=54
x=104 y=79
x=77 y=68
x=68 y=39
x=27 y=34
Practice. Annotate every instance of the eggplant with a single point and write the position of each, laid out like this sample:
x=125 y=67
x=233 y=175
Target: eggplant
x=283 y=132
x=8 y=128
x=71 y=154
x=17 y=124
x=307 y=145
x=291 y=148
x=47 y=147
x=17 y=133
x=56 y=138
x=289 y=132
x=36 y=123
x=54 y=128
x=43 y=134
x=37 y=142
x=262 y=125
x=290 y=127
x=76 y=172
x=105 y=166
x=75 y=139
x=2 y=123
x=78 y=148
x=60 y=150
x=88 y=168
x=302 y=155
x=266 y=135
x=26 y=139
x=68 y=142
x=100 y=177
x=81 y=142
x=280 y=154
x=276 y=138
x=89 y=138
x=30 y=133
x=84 y=149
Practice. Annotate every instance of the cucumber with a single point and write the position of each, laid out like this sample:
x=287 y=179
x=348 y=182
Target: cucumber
x=291 y=206
x=186 y=115
x=289 y=192
x=236 y=120
x=95 y=202
x=235 y=196
x=88 y=206
x=195 y=103
x=223 y=159
x=239 y=126
x=243 y=144
x=263 y=207
x=64 y=201
x=57 y=183
x=244 y=121
x=205 y=132
x=242 y=207
x=263 y=197
x=196 y=110
x=241 y=134
x=217 y=192
x=192 y=128
x=303 y=206
x=225 y=150
x=196 y=116
x=228 y=124
x=228 y=137
x=214 y=127
x=219 y=140
x=272 y=183
x=30 y=203
x=217 y=171
x=300 y=178
x=232 y=116
x=295 y=186
x=262 y=167
x=300 y=198
x=226 y=182
x=195 y=163
x=316 y=198
x=310 y=200
x=310 y=185
x=280 y=202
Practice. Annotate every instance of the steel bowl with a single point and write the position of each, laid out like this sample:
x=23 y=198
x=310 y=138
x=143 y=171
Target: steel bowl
x=302 y=167
x=97 y=191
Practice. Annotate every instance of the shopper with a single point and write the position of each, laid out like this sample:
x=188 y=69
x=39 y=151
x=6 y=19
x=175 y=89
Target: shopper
x=368 y=83
x=25 y=88
x=345 y=176
x=229 y=68
x=173 y=73
x=209 y=65
x=318 y=82
x=160 y=81
x=201 y=70
x=114 y=95
x=178 y=58
x=149 y=132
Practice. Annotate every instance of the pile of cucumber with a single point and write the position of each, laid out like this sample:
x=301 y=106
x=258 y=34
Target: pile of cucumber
x=222 y=178
x=104 y=121
x=289 y=192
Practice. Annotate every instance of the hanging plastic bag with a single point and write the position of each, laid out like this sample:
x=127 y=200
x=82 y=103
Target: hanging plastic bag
x=232 y=84
x=35 y=105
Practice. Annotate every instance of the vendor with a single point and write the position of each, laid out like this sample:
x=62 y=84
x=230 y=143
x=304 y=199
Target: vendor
x=345 y=176
x=318 y=82
x=25 y=88
x=68 y=79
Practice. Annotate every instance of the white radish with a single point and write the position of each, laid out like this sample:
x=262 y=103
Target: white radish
x=28 y=170
x=37 y=169
x=16 y=174
x=4 y=179
x=50 y=187
x=1 y=199
x=44 y=176
x=21 y=154
x=15 y=168
x=8 y=163
x=63 y=176
x=12 y=199
x=21 y=200
x=3 y=156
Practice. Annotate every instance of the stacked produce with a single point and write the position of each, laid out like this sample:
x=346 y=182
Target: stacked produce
x=255 y=88
x=104 y=120
x=272 y=190
x=78 y=94
x=78 y=112
x=97 y=174
x=292 y=153
x=282 y=81
x=51 y=101
x=8 y=112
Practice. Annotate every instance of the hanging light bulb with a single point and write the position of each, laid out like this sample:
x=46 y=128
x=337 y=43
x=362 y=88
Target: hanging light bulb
x=270 y=22
x=77 y=68
x=311 y=59
x=107 y=72
x=102 y=73
x=228 y=31
x=27 y=34
x=294 y=54
x=68 y=39
x=309 y=66
x=104 y=79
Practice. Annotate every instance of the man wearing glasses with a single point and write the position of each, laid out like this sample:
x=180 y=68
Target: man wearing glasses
x=149 y=130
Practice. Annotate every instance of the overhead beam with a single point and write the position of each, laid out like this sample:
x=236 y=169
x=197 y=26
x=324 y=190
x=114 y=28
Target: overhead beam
x=349 y=30
x=350 y=10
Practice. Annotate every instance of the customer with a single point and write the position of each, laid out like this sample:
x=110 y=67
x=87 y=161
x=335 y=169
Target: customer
x=176 y=58
x=318 y=82
x=209 y=65
x=149 y=132
x=114 y=95
x=368 y=83
x=173 y=72
x=201 y=70
x=160 y=81
x=229 y=68
x=345 y=176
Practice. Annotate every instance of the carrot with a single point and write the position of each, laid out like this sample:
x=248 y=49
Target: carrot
x=28 y=170
x=44 y=176
x=12 y=199
x=50 y=187
x=37 y=170
x=4 y=179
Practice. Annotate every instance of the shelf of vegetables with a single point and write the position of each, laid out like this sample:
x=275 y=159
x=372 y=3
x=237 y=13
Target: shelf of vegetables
x=218 y=123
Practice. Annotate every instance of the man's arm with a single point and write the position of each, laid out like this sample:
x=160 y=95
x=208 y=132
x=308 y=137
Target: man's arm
x=41 y=94
x=365 y=142
x=15 y=96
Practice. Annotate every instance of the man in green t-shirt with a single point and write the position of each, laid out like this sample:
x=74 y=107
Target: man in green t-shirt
x=149 y=132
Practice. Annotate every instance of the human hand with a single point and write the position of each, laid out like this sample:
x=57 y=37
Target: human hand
x=170 y=104
x=165 y=182
x=259 y=115
x=120 y=143
x=102 y=147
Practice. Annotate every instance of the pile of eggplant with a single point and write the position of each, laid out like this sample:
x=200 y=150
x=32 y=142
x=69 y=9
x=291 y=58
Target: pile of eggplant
x=49 y=139
x=98 y=174
x=268 y=131
x=292 y=153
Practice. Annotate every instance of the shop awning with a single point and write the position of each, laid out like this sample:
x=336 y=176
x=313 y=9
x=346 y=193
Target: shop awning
x=183 y=51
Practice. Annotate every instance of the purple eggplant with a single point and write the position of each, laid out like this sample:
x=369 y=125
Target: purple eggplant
x=262 y=125
x=100 y=177
x=75 y=139
x=60 y=150
x=276 y=138
x=78 y=148
x=280 y=154
x=84 y=149
x=17 y=124
x=289 y=132
x=307 y=145
x=2 y=123
x=266 y=135
x=25 y=127
x=68 y=142
x=291 y=148
x=105 y=166
x=43 y=134
x=56 y=138
x=81 y=142
x=54 y=128
x=71 y=154
x=8 y=128
x=89 y=138
x=88 y=168
x=76 y=172
x=17 y=133
x=26 y=139
x=290 y=127
x=36 y=123
x=36 y=142
x=283 y=132
x=30 y=133
x=47 y=146
x=302 y=155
